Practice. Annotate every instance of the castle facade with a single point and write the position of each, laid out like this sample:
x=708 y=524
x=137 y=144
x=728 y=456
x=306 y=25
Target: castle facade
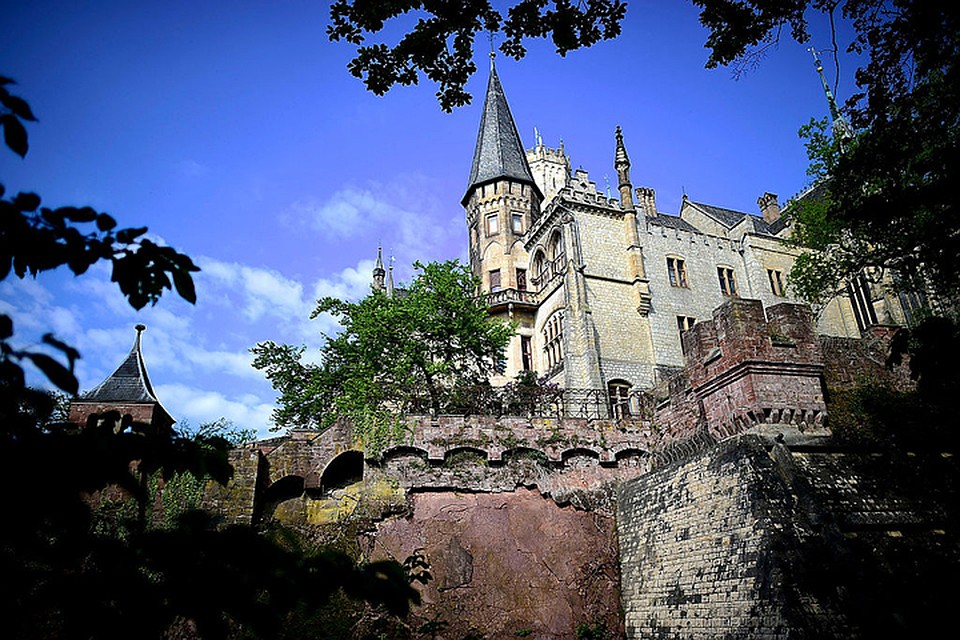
x=601 y=289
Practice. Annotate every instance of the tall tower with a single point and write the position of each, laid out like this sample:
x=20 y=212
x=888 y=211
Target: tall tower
x=502 y=203
x=502 y=199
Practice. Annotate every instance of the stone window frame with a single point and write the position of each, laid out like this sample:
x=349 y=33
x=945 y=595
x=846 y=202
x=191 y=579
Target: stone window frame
x=492 y=224
x=775 y=277
x=677 y=272
x=618 y=396
x=521 y=275
x=526 y=353
x=495 y=281
x=516 y=222
x=556 y=246
x=728 y=281
x=553 y=339
x=684 y=324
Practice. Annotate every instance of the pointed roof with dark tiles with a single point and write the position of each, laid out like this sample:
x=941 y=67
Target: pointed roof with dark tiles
x=129 y=383
x=499 y=152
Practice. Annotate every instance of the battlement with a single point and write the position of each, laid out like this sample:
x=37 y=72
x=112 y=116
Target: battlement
x=747 y=369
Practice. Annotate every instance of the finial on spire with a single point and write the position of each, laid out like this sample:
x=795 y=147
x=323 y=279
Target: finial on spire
x=140 y=328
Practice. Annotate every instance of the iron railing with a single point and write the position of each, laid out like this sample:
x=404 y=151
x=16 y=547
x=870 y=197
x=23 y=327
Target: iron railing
x=531 y=402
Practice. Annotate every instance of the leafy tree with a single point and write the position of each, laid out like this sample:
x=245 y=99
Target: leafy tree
x=394 y=354
x=63 y=577
x=440 y=44
x=889 y=201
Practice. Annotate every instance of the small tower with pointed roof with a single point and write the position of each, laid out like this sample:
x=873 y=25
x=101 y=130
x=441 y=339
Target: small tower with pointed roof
x=502 y=200
x=378 y=271
x=127 y=391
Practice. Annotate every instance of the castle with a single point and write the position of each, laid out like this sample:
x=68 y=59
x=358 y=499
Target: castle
x=701 y=495
x=601 y=289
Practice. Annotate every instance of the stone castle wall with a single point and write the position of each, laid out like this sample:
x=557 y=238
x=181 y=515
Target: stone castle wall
x=728 y=511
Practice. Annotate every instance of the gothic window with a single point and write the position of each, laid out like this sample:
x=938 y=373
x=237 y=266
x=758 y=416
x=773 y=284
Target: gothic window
x=517 y=222
x=526 y=353
x=728 y=284
x=677 y=270
x=619 y=393
x=521 y=279
x=556 y=245
x=495 y=280
x=553 y=340
x=862 y=300
x=493 y=224
x=776 y=282
x=539 y=270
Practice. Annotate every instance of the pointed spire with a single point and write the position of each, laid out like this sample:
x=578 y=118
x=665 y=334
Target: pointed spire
x=499 y=152
x=378 y=271
x=621 y=163
x=390 y=280
x=841 y=130
x=129 y=383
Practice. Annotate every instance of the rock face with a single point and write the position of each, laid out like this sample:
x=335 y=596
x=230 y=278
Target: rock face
x=509 y=564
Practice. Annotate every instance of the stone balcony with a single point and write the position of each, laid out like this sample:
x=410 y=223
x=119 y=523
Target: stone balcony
x=504 y=298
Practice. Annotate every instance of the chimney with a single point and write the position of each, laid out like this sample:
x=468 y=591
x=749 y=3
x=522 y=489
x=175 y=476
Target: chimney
x=769 y=207
x=648 y=201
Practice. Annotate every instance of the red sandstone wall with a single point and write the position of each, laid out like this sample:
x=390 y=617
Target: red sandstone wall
x=510 y=562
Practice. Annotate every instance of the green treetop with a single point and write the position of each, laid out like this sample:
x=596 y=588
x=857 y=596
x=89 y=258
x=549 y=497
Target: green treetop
x=394 y=354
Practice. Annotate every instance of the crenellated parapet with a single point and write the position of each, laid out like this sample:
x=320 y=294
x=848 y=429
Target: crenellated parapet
x=747 y=368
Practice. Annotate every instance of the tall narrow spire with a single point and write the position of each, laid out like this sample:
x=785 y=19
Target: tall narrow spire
x=841 y=130
x=499 y=152
x=621 y=163
x=378 y=271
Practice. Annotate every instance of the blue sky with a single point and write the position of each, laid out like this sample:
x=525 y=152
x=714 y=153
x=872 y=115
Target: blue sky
x=235 y=133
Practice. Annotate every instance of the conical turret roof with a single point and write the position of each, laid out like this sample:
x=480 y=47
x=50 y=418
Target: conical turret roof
x=499 y=152
x=129 y=383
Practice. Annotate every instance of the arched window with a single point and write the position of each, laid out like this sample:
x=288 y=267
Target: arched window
x=556 y=246
x=619 y=393
x=539 y=270
x=553 y=341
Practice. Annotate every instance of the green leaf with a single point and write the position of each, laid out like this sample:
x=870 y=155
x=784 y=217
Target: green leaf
x=72 y=354
x=55 y=372
x=105 y=222
x=14 y=134
x=126 y=236
x=18 y=106
x=184 y=284
x=26 y=201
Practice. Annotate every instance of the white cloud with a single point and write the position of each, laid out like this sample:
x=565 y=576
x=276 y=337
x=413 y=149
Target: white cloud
x=246 y=411
x=402 y=214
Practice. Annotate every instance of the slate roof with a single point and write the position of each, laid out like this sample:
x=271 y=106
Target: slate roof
x=672 y=222
x=499 y=152
x=129 y=383
x=730 y=218
x=726 y=217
